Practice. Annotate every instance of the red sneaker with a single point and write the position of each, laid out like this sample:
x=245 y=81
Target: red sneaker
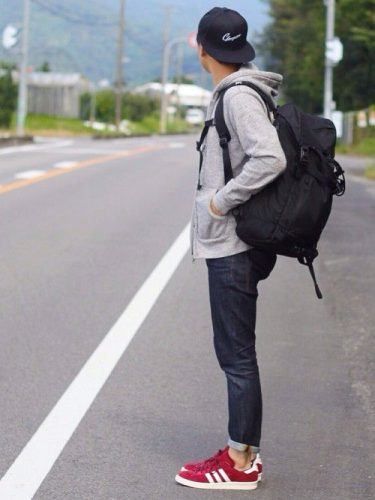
x=218 y=473
x=259 y=464
x=193 y=465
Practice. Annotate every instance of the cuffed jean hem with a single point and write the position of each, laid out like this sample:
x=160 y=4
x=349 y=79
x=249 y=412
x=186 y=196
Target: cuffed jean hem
x=242 y=447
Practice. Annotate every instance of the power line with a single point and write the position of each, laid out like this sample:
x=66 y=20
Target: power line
x=61 y=12
x=67 y=15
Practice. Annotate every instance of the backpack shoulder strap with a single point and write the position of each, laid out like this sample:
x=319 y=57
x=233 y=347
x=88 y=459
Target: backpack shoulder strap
x=224 y=137
x=207 y=125
x=221 y=126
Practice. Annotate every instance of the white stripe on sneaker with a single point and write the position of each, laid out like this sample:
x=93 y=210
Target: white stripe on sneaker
x=251 y=469
x=223 y=473
x=209 y=477
x=217 y=477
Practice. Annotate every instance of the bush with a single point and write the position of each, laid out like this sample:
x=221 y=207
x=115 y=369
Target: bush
x=8 y=95
x=85 y=106
x=134 y=107
x=105 y=106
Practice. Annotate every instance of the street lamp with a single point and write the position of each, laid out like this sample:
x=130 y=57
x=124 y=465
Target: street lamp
x=119 y=64
x=22 y=84
x=166 y=58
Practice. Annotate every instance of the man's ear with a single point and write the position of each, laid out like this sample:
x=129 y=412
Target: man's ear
x=201 y=50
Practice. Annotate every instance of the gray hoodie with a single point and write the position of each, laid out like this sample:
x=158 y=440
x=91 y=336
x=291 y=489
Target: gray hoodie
x=257 y=159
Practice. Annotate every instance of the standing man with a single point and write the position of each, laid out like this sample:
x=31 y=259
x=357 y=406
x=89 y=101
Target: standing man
x=234 y=267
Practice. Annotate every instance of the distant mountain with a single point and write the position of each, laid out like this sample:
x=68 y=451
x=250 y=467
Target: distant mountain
x=80 y=35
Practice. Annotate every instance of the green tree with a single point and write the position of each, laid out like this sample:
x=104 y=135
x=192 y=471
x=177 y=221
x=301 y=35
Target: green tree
x=183 y=79
x=293 y=44
x=45 y=67
x=354 y=81
x=8 y=94
x=105 y=106
x=135 y=107
x=85 y=105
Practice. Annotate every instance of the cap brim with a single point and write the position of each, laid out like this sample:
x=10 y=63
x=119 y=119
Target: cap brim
x=243 y=55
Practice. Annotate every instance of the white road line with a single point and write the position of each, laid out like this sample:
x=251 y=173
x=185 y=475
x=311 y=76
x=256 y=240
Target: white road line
x=86 y=151
x=34 y=147
x=29 y=174
x=28 y=471
x=65 y=164
x=177 y=145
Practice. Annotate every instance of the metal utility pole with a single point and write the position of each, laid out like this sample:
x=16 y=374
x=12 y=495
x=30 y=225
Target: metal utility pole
x=120 y=64
x=179 y=74
x=164 y=97
x=93 y=104
x=22 y=84
x=329 y=64
x=168 y=9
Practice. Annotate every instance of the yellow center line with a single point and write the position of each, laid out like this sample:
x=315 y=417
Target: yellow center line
x=81 y=164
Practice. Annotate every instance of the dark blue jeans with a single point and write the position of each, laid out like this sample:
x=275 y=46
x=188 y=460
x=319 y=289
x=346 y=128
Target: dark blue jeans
x=233 y=295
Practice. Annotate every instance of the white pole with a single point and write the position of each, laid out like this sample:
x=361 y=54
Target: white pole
x=328 y=78
x=22 y=84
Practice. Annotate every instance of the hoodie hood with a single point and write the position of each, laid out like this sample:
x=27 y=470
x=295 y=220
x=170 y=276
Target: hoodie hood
x=267 y=81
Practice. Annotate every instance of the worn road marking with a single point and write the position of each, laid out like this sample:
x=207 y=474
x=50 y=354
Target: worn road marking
x=32 y=465
x=338 y=260
x=65 y=164
x=29 y=174
x=81 y=164
x=34 y=147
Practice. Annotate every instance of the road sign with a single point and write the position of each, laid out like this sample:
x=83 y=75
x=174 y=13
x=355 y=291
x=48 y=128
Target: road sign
x=192 y=40
x=334 y=50
x=10 y=36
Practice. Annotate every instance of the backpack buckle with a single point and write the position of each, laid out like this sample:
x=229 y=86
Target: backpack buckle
x=303 y=154
x=236 y=211
x=223 y=141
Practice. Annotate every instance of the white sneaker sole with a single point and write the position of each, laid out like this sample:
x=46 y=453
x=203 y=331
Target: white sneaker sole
x=230 y=485
x=259 y=476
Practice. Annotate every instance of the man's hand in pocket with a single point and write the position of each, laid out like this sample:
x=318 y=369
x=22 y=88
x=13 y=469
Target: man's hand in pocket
x=214 y=209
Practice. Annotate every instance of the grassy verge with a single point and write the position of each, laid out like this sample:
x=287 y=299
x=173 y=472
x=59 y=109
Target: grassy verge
x=370 y=172
x=366 y=147
x=60 y=126
x=151 y=125
x=53 y=125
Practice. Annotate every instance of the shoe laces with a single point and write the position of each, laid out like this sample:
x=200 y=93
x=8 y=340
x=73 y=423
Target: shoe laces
x=208 y=464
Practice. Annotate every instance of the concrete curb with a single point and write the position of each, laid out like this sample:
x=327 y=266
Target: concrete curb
x=15 y=141
x=132 y=136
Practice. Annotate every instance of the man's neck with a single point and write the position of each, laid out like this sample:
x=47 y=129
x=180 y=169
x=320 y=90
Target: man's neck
x=220 y=72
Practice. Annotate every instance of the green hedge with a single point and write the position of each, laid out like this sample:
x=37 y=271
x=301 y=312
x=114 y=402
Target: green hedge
x=134 y=107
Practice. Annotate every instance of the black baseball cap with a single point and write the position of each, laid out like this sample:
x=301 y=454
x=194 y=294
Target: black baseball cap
x=222 y=33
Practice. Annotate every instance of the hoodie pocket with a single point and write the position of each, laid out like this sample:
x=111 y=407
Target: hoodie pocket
x=209 y=227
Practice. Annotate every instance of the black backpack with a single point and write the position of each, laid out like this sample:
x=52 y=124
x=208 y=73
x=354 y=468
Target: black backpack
x=288 y=215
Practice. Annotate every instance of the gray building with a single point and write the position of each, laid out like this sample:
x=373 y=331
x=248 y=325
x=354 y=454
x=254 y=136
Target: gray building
x=56 y=94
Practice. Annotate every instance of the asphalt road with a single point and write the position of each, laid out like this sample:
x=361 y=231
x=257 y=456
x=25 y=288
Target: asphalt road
x=78 y=240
